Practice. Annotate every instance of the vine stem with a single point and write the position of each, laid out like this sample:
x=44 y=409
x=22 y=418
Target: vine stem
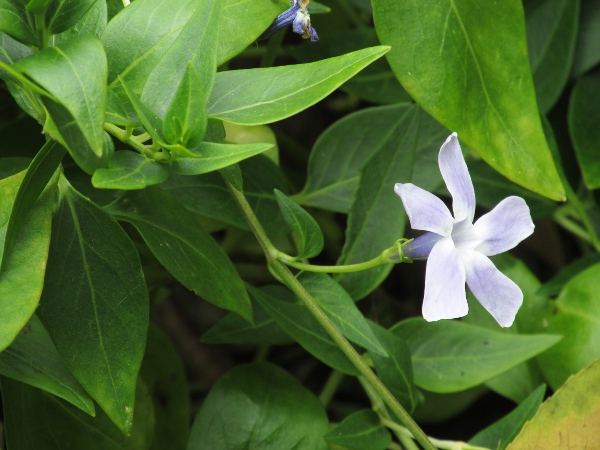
x=283 y=273
x=288 y=260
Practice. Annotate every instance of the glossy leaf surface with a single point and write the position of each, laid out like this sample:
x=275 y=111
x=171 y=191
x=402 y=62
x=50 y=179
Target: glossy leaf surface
x=453 y=356
x=266 y=406
x=446 y=55
x=129 y=170
x=95 y=303
x=188 y=252
x=22 y=276
x=259 y=96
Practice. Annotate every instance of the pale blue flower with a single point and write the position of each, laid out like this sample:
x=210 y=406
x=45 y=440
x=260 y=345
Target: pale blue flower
x=457 y=249
x=297 y=16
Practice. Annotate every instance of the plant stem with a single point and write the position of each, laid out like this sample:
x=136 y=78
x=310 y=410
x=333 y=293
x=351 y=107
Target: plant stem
x=288 y=260
x=286 y=277
x=331 y=386
x=126 y=137
x=580 y=210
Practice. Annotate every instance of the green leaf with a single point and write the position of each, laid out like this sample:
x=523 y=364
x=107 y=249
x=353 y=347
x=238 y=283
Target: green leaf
x=551 y=27
x=583 y=127
x=33 y=359
x=576 y=315
x=259 y=96
x=93 y=23
x=361 y=430
x=188 y=252
x=299 y=323
x=38 y=175
x=75 y=75
x=501 y=433
x=196 y=44
x=267 y=408
x=376 y=83
x=129 y=170
x=454 y=356
x=395 y=370
x=446 y=55
x=152 y=123
x=15 y=21
x=35 y=419
x=210 y=156
x=186 y=118
x=134 y=64
x=164 y=375
x=243 y=21
x=95 y=303
x=404 y=151
x=208 y=195
x=233 y=329
x=305 y=228
x=355 y=139
x=587 y=50
x=341 y=310
x=22 y=277
x=63 y=14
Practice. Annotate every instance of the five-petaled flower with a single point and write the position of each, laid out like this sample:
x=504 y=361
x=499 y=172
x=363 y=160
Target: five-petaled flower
x=297 y=16
x=457 y=249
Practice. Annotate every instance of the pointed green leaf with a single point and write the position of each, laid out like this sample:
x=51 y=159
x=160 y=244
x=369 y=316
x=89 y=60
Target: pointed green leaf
x=361 y=430
x=305 y=228
x=299 y=323
x=584 y=116
x=266 y=406
x=184 y=248
x=33 y=359
x=453 y=356
x=551 y=33
x=404 y=151
x=395 y=370
x=75 y=75
x=38 y=175
x=93 y=23
x=22 y=277
x=63 y=14
x=149 y=119
x=129 y=170
x=342 y=310
x=259 y=96
x=468 y=67
x=186 y=119
x=95 y=303
x=134 y=64
x=501 y=433
x=210 y=156
x=35 y=419
x=11 y=51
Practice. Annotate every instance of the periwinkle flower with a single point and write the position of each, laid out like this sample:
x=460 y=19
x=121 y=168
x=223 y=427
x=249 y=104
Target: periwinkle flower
x=297 y=16
x=457 y=249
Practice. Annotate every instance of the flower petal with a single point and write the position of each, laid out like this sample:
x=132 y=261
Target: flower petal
x=458 y=181
x=425 y=211
x=281 y=21
x=421 y=247
x=495 y=291
x=504 y=226
x=445 y=296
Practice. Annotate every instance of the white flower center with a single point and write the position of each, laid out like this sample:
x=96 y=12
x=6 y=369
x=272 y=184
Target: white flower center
x=464 y=237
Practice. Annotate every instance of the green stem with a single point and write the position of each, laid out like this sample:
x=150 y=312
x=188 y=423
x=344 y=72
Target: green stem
x=288 y=260
x=126 y=137
x=42 y=32
x=283 y=273
x=562 y=218
x=331 y=386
